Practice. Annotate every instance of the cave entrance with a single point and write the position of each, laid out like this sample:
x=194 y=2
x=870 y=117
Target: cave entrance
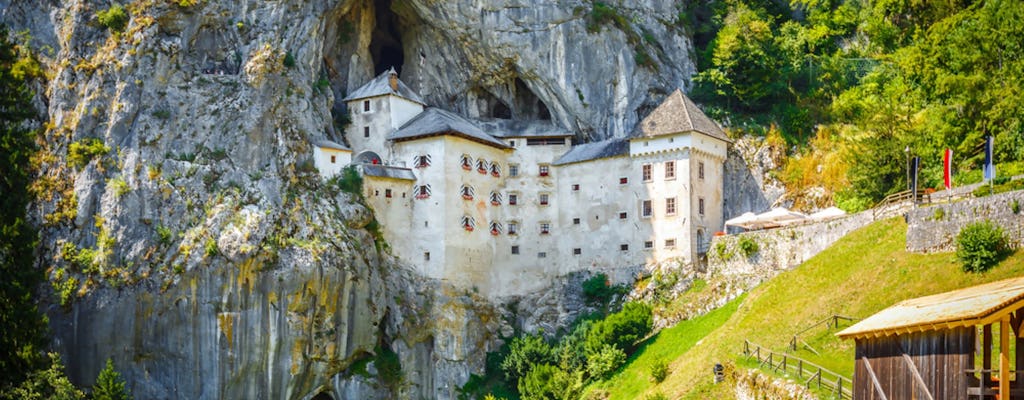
x=386 y=41
x=322 y=396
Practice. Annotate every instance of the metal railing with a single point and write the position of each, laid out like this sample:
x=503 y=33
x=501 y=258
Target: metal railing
x=807 y=373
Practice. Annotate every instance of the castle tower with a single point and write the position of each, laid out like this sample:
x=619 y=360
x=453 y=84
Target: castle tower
x=377 y=109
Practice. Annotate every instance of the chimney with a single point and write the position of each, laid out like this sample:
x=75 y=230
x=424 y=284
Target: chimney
x=393 y=80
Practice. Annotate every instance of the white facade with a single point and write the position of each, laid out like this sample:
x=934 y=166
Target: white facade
x=330 y=158
x=655 y=198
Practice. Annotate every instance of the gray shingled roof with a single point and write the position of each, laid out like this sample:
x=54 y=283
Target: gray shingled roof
x=676 y=114
x=435 y=121
x=330 y=145
x=594 y=151
x=380 y=86
x=384 y=171
x=505 y=128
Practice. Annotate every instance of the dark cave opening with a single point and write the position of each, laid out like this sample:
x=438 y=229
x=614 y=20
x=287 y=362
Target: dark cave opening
x=386 y=40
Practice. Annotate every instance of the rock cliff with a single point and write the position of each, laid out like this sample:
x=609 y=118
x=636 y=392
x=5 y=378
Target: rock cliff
x=184 y=229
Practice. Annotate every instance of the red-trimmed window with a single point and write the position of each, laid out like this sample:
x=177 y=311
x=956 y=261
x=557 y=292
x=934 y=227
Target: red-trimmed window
x=421 y=161
x=467 y=192
x=495 y=228
x=545 y=228
x=422 y=191
x=495 y=199
x=481 y=166
x=544 y=170
x=466 y=162
x=468 y=223
x=495 y=169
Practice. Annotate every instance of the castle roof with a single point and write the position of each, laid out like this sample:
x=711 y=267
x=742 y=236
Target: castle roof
x=593 y=151
x=504 y=128
x=678 y=114
x=328 y=144
x=435 y=122
x=386 y=171
x=381 y=85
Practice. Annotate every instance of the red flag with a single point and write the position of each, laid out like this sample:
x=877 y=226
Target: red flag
x=947 y=170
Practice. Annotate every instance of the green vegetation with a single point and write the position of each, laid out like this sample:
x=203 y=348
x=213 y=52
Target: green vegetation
x=748 y=246
x=289 y=60
x=622 y=329
x=388 y=366
x=109 y=385
x=980 y=246
x=348 y=181
x=659 y=370
x=861 y=274
x=83 y=151
x=998 y=186
x=114 y=18
x=599 y=290
x=49 y=383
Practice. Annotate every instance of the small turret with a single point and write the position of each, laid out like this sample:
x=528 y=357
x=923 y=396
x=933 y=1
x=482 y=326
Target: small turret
x=393 y=79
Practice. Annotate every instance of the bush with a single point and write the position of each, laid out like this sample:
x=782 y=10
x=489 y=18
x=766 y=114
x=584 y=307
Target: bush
x=622 y=329
x=113 y=18
x=980 y=246
x=388 y=366
x=525 y=353
x=83 y=151
x=211 y=248
x=550 y=382
x=164 y=234
x=656 y=396
x=748 y=246
x=602 y=363
x=597 y=289
x=1015 y=206
x=723 y=251
x=659 y=371
x=289 y=60
x=349 y=181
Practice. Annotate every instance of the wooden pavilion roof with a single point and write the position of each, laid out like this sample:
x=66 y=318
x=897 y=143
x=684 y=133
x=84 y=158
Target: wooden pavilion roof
x=973 y=306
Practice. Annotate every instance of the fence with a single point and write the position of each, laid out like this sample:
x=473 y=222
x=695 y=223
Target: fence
x=807 y=373
x=830 y=323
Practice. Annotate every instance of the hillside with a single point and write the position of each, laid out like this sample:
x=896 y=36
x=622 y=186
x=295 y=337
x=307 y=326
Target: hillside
x=861 y=274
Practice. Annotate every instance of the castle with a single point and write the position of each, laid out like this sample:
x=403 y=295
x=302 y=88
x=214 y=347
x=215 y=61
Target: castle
x=503 y=207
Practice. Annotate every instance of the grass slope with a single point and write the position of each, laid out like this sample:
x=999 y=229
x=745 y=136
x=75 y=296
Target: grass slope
x=861 y=274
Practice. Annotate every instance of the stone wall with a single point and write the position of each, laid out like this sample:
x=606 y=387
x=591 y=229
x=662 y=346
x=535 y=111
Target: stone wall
x=934 y=228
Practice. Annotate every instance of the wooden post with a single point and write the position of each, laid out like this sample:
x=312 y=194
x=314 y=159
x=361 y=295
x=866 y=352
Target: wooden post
x=800 y=368
x=1004 y=357
x=986 y=355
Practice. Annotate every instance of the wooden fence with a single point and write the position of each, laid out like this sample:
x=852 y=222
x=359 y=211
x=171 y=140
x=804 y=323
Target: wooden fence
x=832 y=322
x=806 y=372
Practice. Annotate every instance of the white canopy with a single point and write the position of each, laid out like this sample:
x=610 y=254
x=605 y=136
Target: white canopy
x=779 y=216
x=828 y=213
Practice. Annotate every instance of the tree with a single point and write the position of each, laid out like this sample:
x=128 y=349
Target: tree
x=622 y=329
x=50 y=384
x=23 y=326
x=525 y=353
x=109 y=385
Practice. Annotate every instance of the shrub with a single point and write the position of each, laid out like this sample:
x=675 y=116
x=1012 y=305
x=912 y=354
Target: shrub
x=748 y=246
x=723 y=251
x=349 y=181
x=211 y=248
x=656 y=396
x=550 y=382
x=388 y=366
x=1015 y=206
x=622 y=329
x=119 y=186
x=164 y=234
x=113 y=18
x=939 y=214
x=525 y=353
x=659 y=371
x=980 y=246
x=109 y=385
x=597 y=288
x=83 y=151
x=602 y=363
x=289 y=60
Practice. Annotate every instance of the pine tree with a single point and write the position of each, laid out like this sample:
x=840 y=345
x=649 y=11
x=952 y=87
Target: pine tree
x=23 y=326
x=109 y=385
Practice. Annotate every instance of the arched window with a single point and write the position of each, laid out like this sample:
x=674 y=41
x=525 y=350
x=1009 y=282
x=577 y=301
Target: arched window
x=481 y=166
x=495 y=198
x=467 y=192
x=467 y=223
x=495 y=170
x=422 y=191
x=421 y=161
x=495 y=228
x=466 y=162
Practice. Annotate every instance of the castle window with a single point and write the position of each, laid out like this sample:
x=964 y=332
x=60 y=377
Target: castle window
x=623 y=180
x=545 y=228
x=575 y=221
x=542 y=255
x=670 y=170
x=543 y=199
x=495 y=228
x=670 y=206
x=513 y=199
x=467 y=223
x=545 y=141
x=700 y=170
x=515 y=249
x=670 y=243
x=481 y=166
x=376 y=192
x=646 y=170
x=467 y=192
x=421 y=161
x=387 y=193
x=648 y=245
x=366 y=105
x=577 y=251
x=646 y=209
x=513 y=227
x=543 y=169
x=334 y=159
x=622 y=215
x=466 y=162
x=700 y=206
x=513 y=170
x=495 y=170
x=495 y=199
x=624 y=247
x=422 y=191
x=366 y=131
x=575 y=187
x=512 y=143
x=426 y=256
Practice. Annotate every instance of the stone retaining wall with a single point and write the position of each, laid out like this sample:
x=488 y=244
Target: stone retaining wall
x=934 y=228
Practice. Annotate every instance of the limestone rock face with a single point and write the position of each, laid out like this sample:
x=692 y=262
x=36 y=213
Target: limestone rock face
x=183 y=226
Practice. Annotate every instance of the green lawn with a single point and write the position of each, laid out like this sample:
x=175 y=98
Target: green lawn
x=861 y=274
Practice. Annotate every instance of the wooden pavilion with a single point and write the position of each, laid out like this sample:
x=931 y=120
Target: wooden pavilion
x=925 y=348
